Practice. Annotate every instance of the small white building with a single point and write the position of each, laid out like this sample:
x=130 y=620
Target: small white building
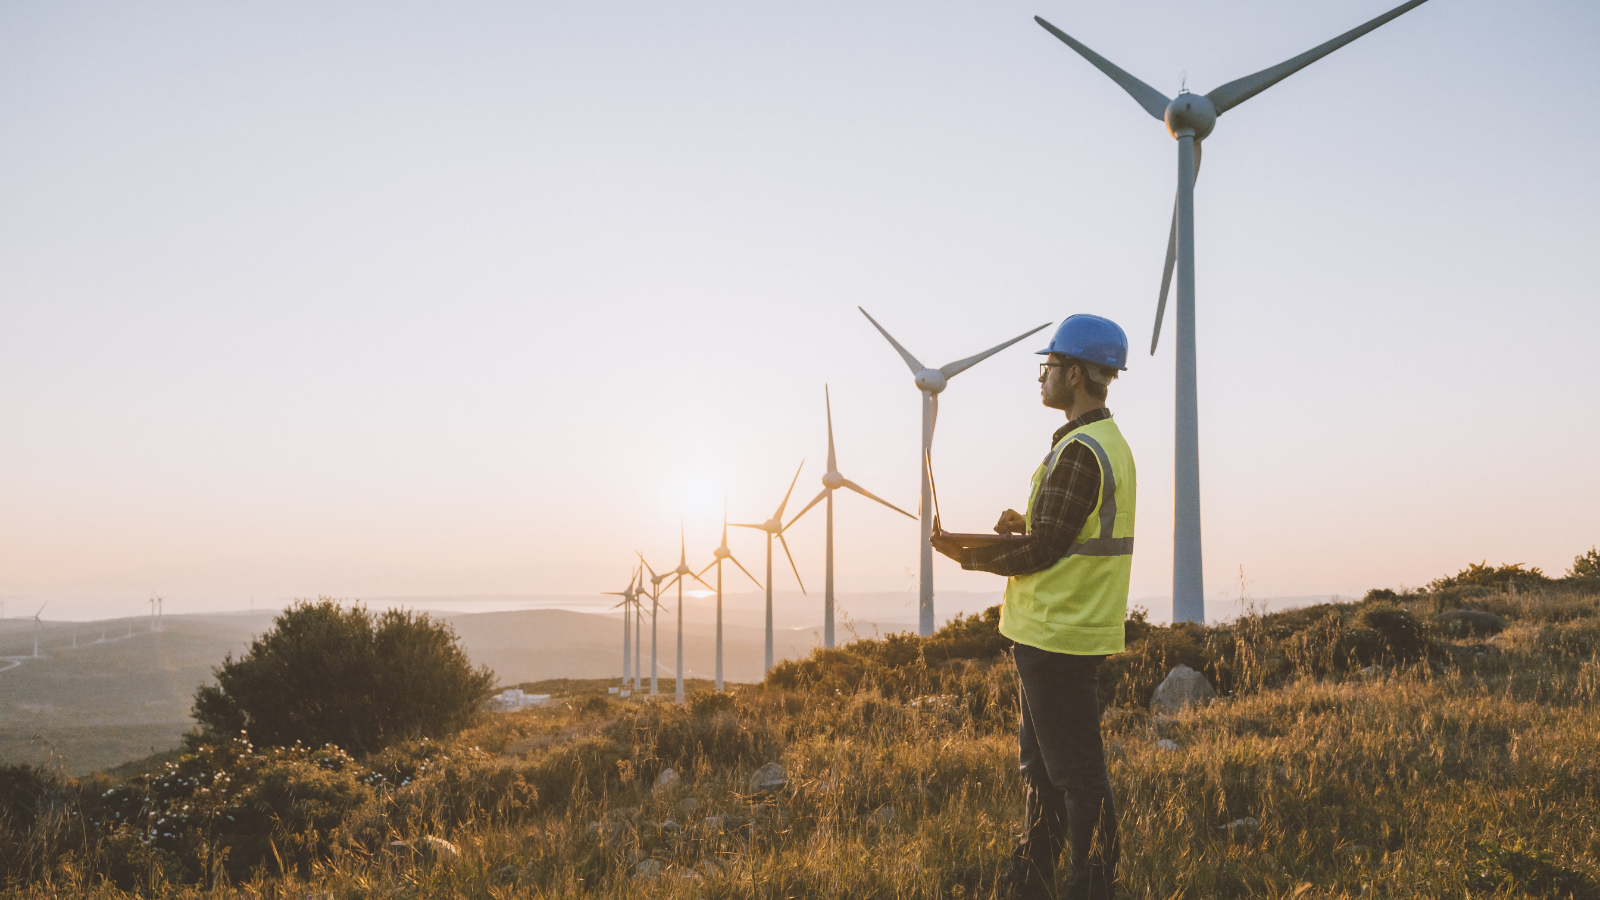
x=512 y=699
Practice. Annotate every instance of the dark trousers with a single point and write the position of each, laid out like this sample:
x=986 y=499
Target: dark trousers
x=1064 y=770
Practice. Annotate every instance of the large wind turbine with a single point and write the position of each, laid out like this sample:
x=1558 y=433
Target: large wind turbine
x=681 y=572
x=775 y=528
x=723 y=553
x=931 y=382
x=832 y=481
x=1190 y=118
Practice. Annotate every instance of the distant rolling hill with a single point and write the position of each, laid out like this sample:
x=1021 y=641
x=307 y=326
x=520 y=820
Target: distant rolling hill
x=101 y=703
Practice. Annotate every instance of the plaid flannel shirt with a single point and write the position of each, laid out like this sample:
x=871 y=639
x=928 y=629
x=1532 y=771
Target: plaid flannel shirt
x=1066 y=498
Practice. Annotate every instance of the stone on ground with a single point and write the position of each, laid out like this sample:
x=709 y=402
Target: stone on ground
x=769 y=779
x=1183 y=688
x=666 y=781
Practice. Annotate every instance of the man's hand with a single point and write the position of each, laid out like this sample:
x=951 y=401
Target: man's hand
x=948 y=546
x=1011 y=522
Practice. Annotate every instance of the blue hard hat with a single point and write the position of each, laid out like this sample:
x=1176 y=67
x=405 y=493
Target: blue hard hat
x=1091 y=339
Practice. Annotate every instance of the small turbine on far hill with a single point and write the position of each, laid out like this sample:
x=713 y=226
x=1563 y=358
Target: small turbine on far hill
x=931 y=382
x=774 y=528
x=832 y=480
x=36 y=626
x=1190 y=119
x=723 y=553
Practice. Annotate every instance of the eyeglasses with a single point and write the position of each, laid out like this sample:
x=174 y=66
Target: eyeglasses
x=1045 y=367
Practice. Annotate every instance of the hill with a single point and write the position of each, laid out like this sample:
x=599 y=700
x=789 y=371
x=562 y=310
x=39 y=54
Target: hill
x=1434 y=744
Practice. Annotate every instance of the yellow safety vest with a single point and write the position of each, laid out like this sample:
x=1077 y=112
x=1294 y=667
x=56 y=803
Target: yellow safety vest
x=1078 y=605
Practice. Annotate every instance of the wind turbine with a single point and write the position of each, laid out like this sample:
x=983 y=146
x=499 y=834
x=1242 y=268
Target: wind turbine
x=931 y=382
x=627 y=601
x=774 y=528
x=681 y=572
x=655 y=606
x=723 y=553
x=36 y=626
x=1190 y=118
x=832 y=481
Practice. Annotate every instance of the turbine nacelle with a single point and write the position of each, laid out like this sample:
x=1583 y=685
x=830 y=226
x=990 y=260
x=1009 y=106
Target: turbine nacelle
x=1194 y=113
x=722 y=552
x=832 y=480
x=931 y=380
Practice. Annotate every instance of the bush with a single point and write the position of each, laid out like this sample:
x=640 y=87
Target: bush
x=1483 y=575
x=1586 y=565
x=326 y=674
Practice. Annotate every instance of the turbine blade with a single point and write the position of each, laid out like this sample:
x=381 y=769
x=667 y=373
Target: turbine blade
x=652 y=572
x=871 y=496
x=1166 y=276
x=814 y=501
x=736 y=562
x=934 y=423
x=1153 y=101
x=1172 y=259
x=833 y=464
x=951 y=370
x=791 y=562
x=904 y=353
x=702 y=581
x=1239 y=90
x=612 y=594
x=709 y=567
x=779 y=514
x=747 y=525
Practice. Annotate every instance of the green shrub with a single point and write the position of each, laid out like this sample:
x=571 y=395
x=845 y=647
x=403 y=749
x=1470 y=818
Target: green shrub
x=1586 y=565
x=326 y=674
x=1484 y=575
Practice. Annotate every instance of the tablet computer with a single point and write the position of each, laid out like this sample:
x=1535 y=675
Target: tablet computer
x=966 y=541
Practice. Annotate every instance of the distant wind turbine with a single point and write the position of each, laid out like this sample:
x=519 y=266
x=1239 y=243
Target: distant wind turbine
x=931 y=382
x=627 y=634
x=681 y=572
x=723 y=553
x=655 y=607
x=832 y=481
x=775 y=528
x=36 y=626
x=1190 y=118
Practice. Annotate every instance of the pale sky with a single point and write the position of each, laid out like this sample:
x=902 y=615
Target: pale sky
x=395 y=299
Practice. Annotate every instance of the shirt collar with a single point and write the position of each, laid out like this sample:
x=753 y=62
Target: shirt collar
x=1093 y=415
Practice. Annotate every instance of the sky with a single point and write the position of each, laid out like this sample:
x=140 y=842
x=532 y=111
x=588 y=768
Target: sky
x=397 y=299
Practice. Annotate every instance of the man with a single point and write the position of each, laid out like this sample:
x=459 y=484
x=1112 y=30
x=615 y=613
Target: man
x=1065 y=602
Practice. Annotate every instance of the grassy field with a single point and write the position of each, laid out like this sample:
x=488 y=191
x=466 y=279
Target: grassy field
x=1337 y=764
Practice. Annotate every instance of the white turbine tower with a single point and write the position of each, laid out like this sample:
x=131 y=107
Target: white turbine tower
x=627 y=602
x=775 y=528
x=832 y=481
x=1190 y=118
x=681 y=572
x=931 y=382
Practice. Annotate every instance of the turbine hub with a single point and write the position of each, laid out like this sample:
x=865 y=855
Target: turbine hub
x=833 y=481
x=772 y=526
x=1193 y=112
x=931 y=380
x=722 y=552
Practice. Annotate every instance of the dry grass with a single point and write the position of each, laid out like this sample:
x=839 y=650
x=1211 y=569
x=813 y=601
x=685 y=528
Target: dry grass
x=1467 y=777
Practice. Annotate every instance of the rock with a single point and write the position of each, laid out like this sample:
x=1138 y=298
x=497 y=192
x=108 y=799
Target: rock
x=883 y=815
x=1243 y=828
x=666 y=781
x=1183 y=688
x=669 y=826
x=769 y=779
x=439 y=848
x=714 y=824
x=1165 y=726
x=688 y=805
x=1165 y=744
x=1372 y=671
x=648 y=868
x=1464 y=622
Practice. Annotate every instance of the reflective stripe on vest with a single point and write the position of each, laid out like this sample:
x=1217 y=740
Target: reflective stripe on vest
x=1104 y=544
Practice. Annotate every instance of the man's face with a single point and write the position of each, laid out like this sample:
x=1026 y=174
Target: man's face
x=1058 y=383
